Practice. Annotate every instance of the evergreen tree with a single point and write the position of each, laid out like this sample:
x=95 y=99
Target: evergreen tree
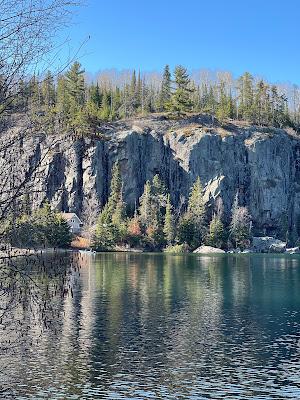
x=95 y=95
x=111 y=226
x=105 y=107
x=75 y=84
x=196 y=211
x=225 y=106
x=34 y=94
x=169 y=223
x=165 y=91
x=48 y=90
x=104 y=237
x=246 y=96
x=191 y=227
x=159 y=196
x=145 y=210
x=44 y=227
x=181 y=101
x=186 y=230
x=216 y=233
x=62 y=103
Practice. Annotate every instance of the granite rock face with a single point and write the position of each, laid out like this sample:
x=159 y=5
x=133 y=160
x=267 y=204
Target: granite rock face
x=267 y=244
x=261 y=165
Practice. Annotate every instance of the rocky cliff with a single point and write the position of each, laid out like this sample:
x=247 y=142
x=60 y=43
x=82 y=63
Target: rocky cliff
x=261 y=164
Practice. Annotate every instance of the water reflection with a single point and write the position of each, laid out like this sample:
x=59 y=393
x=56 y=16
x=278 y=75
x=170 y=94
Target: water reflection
x=156 y=326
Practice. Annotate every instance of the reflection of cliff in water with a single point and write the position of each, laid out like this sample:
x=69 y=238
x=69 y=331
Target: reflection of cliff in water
x=169 y=326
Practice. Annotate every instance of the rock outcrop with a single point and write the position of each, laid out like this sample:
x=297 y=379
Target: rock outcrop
x=208 y=250
x=261 y=164
x=268 y=244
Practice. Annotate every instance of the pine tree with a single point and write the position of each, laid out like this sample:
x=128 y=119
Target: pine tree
x=225 y=106
x=181 y=101
x=48 y=90
x=111 y=226
x=105 y=107
x=95 y=95
x=246 y=96
x=186 y=230
x=216 y=233
x=145 y=210
x=262 y=107
x=169 y=223
x=62 y=103
x=196 y=212
x=115 y=188
x=75 y=84
x=34 y=94
x=159 y=196
x=165 y=91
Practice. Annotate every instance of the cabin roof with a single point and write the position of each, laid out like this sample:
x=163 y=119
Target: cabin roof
x=69 y=216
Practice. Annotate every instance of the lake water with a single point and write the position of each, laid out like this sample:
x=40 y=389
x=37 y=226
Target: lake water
x=153 y=326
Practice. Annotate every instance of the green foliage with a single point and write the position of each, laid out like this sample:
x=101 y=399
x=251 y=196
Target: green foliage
x=216 y=234
x=43 y=227
x=111 y=226
x=169 y=229
x=196 y=212
x=152 y=210
x=186 y=230
x=165 y=92
x=81 y=108
x=145 y=210
x=181 y=98
x=191 y=227
x=177 y=249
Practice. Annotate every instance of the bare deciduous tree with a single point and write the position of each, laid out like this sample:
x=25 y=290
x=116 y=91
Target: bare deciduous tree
x=28 y=30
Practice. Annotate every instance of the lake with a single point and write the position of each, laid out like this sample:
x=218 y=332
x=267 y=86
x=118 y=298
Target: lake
x=154 y=326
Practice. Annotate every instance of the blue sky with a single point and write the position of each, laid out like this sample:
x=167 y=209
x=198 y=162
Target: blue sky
x=262 y=37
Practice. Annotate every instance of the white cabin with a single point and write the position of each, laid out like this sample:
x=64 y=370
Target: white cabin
x=73 y=221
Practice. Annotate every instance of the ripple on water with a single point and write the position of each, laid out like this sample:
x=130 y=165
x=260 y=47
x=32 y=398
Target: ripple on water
x=163 y=327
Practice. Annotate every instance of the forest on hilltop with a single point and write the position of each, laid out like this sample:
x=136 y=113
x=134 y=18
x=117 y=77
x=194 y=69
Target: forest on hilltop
x=75 y=103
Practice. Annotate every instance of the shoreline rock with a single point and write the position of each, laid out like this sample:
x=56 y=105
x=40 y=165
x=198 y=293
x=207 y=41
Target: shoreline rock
x=268 y=244
x=208 y=250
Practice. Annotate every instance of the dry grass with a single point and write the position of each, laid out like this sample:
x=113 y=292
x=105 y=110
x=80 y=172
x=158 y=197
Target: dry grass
x=222 y=132
x=80 y=242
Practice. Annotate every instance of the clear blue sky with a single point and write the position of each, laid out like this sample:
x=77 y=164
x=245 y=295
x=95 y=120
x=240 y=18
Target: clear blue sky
x=261 y=36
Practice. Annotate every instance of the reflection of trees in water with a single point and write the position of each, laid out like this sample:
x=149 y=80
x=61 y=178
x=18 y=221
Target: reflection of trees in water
x=32 y=292
x=138 y=319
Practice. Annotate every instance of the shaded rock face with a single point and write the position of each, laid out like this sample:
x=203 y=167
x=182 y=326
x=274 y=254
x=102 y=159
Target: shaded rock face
x=263 y=167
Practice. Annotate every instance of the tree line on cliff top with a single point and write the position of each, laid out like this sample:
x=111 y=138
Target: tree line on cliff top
x=77 y=105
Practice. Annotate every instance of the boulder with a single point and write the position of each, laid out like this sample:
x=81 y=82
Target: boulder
x=293 y=250
x=208 y=250
x=268 y=244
